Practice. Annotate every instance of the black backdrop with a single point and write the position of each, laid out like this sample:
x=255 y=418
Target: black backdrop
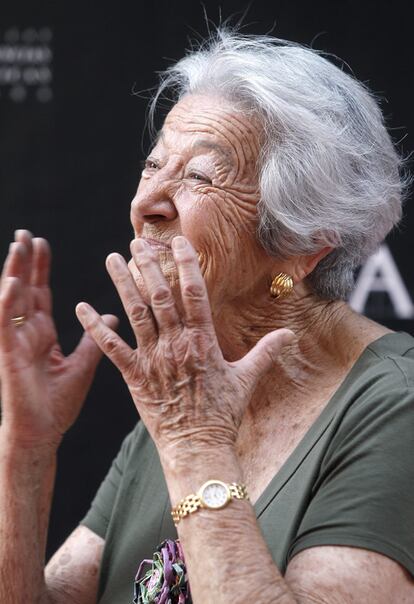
x=70 y=147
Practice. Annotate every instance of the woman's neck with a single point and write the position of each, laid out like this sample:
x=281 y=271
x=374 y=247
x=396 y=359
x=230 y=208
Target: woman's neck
x=329 y=339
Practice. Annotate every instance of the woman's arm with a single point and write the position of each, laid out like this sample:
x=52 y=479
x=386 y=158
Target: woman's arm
x=26 y=485
x=225 y=552
x=72 y=574
x=228 y=560
x=42 y=392
x=347 y=575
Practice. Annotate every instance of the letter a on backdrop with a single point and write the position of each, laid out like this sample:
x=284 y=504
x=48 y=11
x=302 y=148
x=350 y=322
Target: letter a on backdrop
x=380 y=274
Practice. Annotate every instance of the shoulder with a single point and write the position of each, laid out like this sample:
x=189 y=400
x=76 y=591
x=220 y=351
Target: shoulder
x=376 y=409
x=382 y=381
x=395 y=353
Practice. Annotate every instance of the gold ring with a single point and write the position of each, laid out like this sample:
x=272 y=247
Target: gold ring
x=18 y=321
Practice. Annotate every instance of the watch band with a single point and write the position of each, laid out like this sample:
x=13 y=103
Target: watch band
x=196 y=501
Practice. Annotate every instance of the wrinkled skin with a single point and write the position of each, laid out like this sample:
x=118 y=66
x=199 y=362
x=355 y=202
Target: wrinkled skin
x=200 y=182
x=186 y=393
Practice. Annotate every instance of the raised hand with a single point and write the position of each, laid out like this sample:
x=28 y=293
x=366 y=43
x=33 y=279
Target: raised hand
x=184 y=390
x=42 y=391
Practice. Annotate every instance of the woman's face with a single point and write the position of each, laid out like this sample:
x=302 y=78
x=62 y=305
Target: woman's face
x=200 y=181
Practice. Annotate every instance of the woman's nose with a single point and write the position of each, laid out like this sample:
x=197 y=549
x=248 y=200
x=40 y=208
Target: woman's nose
x=153 y=204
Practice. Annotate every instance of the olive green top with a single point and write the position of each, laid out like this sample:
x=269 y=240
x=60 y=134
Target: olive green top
x=350 y=481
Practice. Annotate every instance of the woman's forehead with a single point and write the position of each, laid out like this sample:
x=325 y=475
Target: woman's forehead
x=199 y=141
x=211 y=123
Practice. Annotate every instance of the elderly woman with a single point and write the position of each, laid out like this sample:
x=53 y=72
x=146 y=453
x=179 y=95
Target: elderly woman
x=276 y=423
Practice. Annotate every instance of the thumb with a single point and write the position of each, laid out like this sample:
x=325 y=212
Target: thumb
x=87 y=354
x=260 y=359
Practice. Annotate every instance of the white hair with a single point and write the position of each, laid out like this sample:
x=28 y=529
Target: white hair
x=329 y=173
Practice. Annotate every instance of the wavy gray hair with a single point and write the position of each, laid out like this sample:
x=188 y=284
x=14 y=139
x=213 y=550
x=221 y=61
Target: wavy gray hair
x=329 y=173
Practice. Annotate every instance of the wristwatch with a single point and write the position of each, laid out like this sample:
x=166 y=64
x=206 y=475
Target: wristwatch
x=212 y=495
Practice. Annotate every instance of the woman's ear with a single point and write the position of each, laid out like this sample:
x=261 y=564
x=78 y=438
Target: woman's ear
x=312 y=261
x=299 y=267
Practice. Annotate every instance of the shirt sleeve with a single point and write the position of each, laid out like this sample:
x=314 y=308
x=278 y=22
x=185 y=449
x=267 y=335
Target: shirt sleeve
x=99 y=514
x=364 y=494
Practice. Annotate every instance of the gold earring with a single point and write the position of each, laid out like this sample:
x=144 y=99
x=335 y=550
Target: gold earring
x=281 y=286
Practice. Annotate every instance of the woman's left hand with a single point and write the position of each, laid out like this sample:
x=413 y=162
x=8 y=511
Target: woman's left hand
x=185 y=392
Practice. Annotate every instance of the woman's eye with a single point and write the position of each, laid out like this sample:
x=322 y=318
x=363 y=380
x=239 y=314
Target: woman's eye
x=200 y=177
x=149 y=164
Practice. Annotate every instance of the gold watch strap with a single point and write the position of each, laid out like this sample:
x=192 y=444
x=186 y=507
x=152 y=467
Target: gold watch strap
x=193 y=502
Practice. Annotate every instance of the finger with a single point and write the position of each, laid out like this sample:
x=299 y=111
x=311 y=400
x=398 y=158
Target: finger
x=193 y=288
x=41 y=262
x=162 y=300
x=138 y=313
x=40 y=275
x=87 y=354
x=263 y=357
x=107 y=340
x=25 y=237
x=9 y=295
x=14 y=267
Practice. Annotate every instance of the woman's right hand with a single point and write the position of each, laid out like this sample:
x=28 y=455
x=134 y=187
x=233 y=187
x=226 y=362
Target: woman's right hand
x=42 y=391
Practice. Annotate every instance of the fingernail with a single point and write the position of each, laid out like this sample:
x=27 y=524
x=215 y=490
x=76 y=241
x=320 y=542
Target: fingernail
x=22 y=233
x=179 y=243
x=114 y=260
x=81 y=309
x=140 y=245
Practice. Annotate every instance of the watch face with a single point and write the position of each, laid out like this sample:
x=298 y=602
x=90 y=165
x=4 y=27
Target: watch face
x=215 y=494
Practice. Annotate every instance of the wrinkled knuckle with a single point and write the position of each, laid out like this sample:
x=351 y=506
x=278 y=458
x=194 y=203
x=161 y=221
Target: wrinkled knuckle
x=108 y=343
x=146 y=259
x=121 y=278
x=93 y=324
x=162 y=295
x=137 y=312
x=194 y=291
x=187 y=258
